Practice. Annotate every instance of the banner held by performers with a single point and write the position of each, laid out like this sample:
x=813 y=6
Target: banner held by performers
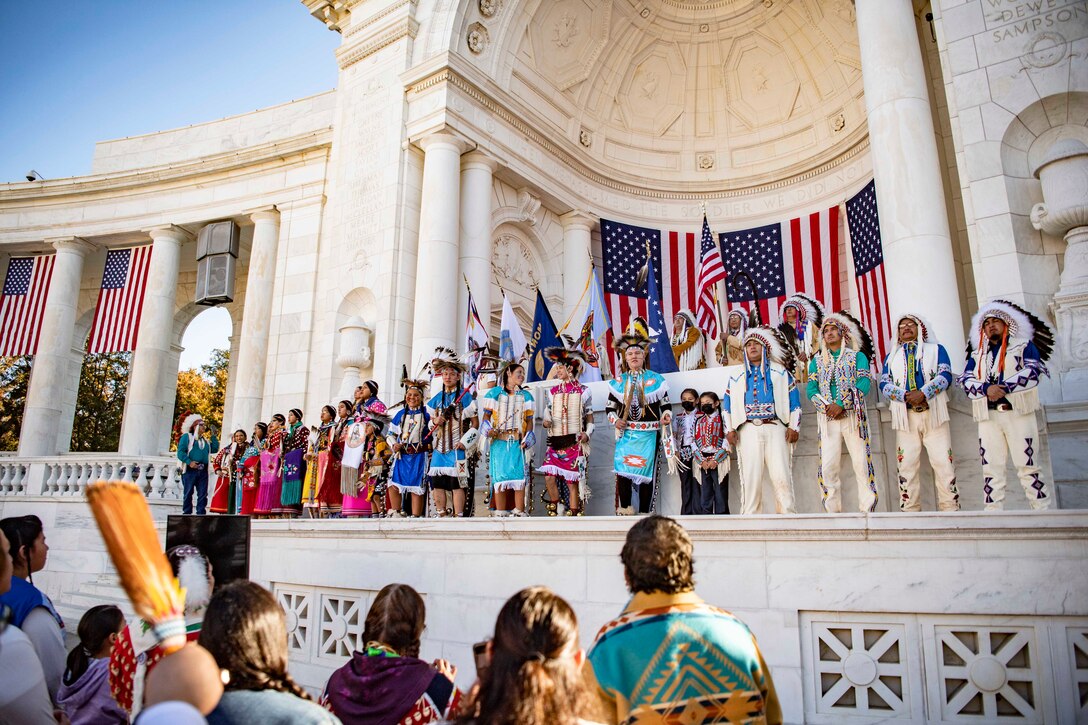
x=543 y=335
x=512 y=341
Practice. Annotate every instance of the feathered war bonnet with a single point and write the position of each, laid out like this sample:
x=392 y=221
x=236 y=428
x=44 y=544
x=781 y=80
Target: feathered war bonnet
x=854 y=334
x=808 y=310
x=925 y=330
x=568 y=353
x=740 y=314
x=637 y=334
x=1020 y=322
x=444 y=358
x=775 y=346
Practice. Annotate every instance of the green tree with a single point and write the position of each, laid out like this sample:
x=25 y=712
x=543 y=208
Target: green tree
x=14 y=382
x=100 y=402
x=202 y=391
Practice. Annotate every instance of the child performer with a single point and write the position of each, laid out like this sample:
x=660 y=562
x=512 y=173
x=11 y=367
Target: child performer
x=508 y=421
x=711 y=451
x=453 y=419
x=685 y=452
x=568 y=418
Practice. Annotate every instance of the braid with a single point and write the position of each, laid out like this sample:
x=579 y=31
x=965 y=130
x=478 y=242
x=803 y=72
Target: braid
x=282 y=682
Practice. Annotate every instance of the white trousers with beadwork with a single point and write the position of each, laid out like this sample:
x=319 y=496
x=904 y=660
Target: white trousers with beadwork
x=1005 y=432
x=758 y=446
x=938 y=444
x=833 y=433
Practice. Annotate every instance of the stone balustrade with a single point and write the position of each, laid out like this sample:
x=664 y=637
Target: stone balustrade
x=67 y=475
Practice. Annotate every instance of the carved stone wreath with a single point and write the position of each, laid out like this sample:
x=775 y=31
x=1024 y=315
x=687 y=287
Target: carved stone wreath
x=489 y=8
x=705 y=162
x=477 y=38
x=512 y=262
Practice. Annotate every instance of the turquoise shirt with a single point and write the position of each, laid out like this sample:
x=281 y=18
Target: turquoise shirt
x=198 y=454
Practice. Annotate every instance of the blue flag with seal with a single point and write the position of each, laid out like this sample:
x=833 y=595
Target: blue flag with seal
x=543 y=335
x=661 y=358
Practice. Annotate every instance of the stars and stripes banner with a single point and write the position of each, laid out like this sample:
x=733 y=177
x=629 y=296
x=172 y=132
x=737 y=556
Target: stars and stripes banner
x=22 y=305
x=120 y=301
x=868 y=253
x=711 y=272
x=800 y=255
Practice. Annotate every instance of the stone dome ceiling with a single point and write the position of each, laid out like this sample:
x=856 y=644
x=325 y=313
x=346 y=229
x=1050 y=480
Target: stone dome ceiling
x=687 y=94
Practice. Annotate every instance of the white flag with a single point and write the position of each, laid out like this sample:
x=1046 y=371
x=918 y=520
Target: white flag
x=512 y=341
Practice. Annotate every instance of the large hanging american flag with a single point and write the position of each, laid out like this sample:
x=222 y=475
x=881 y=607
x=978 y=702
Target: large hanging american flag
x=22 y=304
x=801 y=255
x=711 y=272
x=120 y=301
x=868 y=252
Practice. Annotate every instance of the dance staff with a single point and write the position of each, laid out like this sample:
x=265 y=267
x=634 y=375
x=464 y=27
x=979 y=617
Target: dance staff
x=638 y=406
x=407 y=440
x=453 y=431
x=227 y=496
x=507 y=429
x=568 y=418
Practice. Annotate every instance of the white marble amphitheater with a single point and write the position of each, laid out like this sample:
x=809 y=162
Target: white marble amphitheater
x=487 y=138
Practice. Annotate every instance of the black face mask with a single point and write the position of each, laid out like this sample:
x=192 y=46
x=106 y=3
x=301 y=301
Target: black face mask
x=707 y=408
x=687 y=405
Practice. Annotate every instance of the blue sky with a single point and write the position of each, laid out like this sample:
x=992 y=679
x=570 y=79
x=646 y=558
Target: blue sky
x=73 y=72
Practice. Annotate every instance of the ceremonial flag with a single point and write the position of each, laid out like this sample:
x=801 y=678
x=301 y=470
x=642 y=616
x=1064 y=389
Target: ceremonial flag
x=801 y=255
x=22 y=304
x=544 y=334
x=511 y=339
x=661 y=359
x=594 y=329
x=711 y=271
x=120 y=300
x=868 y=252
x=475 y=332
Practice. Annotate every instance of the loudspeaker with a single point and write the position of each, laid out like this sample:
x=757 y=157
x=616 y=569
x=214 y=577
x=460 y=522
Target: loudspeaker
x=216 y=255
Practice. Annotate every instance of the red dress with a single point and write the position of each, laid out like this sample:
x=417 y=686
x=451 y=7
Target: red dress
x=222 y=465
x=249 y=473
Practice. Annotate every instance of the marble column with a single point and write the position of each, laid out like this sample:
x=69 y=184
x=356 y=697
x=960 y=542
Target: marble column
x=909 y=187
x=146 y=405
x=256 y=319
x=38 y=436
x=435 y=315
x=577 y=263
x=475 y=256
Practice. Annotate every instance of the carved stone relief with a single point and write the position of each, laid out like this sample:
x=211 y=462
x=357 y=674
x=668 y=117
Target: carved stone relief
x=489 y=8
x=477 y=38
x=513 y=263
x=760 y=82
x=567 y=37
x=704 y=161
x=652 y=94
x=528 y=206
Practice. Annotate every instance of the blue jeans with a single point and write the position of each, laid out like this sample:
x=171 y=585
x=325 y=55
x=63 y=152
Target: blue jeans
x=194 y=478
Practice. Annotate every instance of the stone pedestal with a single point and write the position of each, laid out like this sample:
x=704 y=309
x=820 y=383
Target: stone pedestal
x=354 y=355
x=145 y=406
x=909 y=187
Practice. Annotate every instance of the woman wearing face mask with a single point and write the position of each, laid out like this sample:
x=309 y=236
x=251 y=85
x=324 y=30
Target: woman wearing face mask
x=685 y=451
x=85 y=693
x=508 y=420
x=711 y=452
x=268 y=497
x=32 y=611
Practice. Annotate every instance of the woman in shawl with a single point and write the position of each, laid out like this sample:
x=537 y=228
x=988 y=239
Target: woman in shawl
x=365 y=502
x=295 y=443
x=268 y=497
x=386 y=683
x=249 y=469
x=226 y=499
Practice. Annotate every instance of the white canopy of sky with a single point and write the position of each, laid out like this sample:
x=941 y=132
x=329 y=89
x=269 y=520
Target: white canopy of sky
x=74 y=72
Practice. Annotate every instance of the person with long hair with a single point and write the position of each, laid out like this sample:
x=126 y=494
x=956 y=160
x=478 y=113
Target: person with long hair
x=33 y=611
x=387 y=683
x=330 y=453
x=24 y=698
x=268 y=496
x=534 y=674
x=407 y=439
x=568 y=419
x=246 y=632
x=318 y=441
x=227 y=495
x=85 y=690
x=508 y=421
x=294 y=464
x=249 y=469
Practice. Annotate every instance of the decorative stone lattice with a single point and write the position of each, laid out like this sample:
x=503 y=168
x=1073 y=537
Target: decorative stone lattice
x=986 y=673
x=1077 y=639
x=861 y=669
x=341 y=627
x=297 y=607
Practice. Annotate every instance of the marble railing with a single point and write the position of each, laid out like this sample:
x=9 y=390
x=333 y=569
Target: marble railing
x=67 y=474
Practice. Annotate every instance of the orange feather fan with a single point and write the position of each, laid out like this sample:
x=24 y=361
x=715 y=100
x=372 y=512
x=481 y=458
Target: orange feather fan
x=124 y=518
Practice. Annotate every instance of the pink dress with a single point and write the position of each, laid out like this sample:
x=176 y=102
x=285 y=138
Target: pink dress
x=268 y=495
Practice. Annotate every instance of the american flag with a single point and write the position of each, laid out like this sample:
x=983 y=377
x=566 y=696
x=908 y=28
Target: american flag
x=800 y=255
x=120 y=301
x=868 y=253
x=711 y=271
x=22 y=304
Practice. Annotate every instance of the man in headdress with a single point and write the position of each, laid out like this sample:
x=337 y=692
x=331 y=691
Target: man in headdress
x=453 y=416
x=802 y=319
x=730 y=349
x=687 y=342
x=638 y=406
x=915 y=378
x=194 y=451
x=568 y=419
x=761 y=409
x=838 y=381
x=1007 y=352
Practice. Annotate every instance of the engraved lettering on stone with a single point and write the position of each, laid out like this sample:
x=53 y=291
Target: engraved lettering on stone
x=478 y=38
x=565 y=30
